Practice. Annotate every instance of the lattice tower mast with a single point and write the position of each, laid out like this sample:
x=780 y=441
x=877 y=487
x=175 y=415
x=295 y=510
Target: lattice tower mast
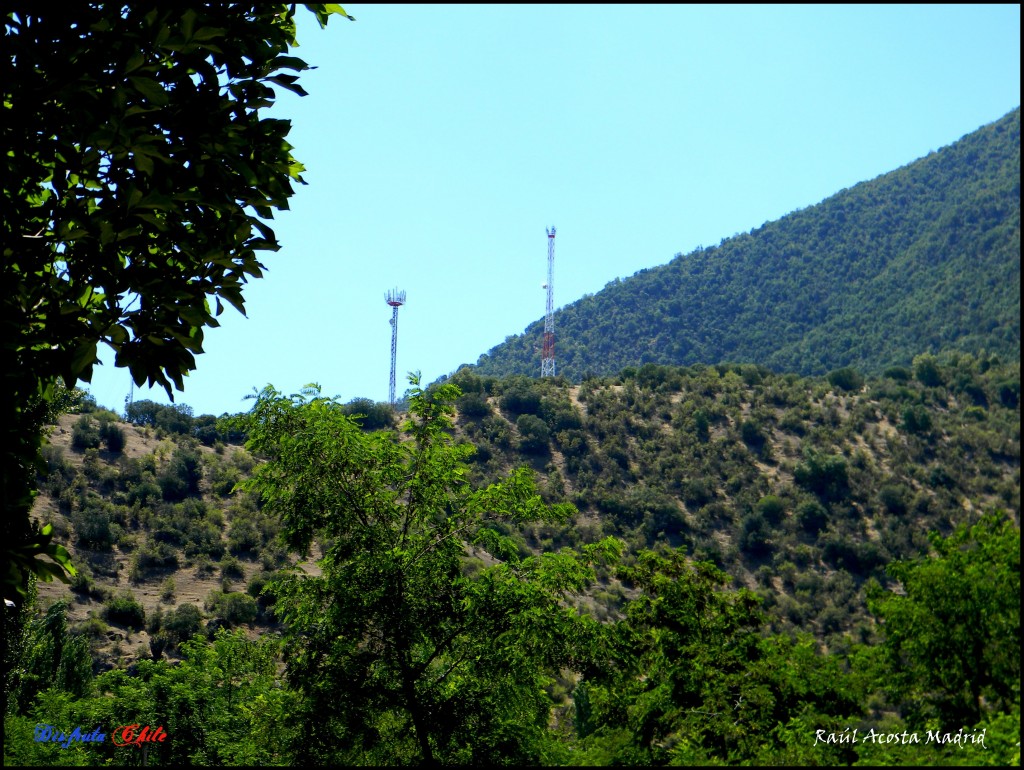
x=396 y=299
x=547 y=359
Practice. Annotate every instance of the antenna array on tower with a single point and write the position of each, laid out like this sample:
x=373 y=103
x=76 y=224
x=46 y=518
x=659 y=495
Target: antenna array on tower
x=547 y=359
x=395 y=299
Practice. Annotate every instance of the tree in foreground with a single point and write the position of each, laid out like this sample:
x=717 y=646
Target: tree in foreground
x=687 y=677
x=952 y=637
x=221 y=705
x=401 y=655
x=139 y=171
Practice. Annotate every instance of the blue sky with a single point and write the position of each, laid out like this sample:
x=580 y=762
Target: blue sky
x=441 y=141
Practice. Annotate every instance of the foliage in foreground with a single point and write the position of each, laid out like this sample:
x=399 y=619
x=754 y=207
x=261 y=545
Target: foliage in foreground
x=140 y=171
x=441 y=666
x=397 y=653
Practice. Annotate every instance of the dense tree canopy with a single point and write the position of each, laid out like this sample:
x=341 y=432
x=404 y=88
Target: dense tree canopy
x=401 y=657
x=140 y=170
x=953 y=636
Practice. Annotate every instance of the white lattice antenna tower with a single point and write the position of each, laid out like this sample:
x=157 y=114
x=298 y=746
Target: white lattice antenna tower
x=547 y=359
x=395 y=299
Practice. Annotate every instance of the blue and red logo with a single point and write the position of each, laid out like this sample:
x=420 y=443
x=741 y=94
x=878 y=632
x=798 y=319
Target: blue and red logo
x=127 y=735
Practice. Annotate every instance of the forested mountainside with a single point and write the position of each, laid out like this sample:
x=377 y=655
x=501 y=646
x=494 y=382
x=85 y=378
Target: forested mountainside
x=924 y=258
x=835 y=608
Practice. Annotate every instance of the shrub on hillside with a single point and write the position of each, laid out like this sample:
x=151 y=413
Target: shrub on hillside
x=125 y=610
x=520 y=399
x=812 y=517
x=754 y=535
x=153 y=557
x=370 y=414
x=771 y=508
x=846 y=378
x=180 y=479
x=183 y=623
x=233 y=608
x=824 y=475
x=534 y=434
x=231 y=568
x=752 y=434
x=894 y=498
x=926 y=370
x=84 y=435
x=144 y=493
x=244 y=536
x=916 y=419
x=92 y=523
x=473 y=405
x=113 y=436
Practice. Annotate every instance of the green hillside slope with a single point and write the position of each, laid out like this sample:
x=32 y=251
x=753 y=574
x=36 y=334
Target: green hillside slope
x=807 y=593
x=801 y=488
x=924 y=258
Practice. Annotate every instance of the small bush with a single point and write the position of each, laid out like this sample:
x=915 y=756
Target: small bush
x=752 y=435
x=180 y=479
x=894 y=498
x=1009 y=393
x=182 y=624
x=92 y=525
x=824 y=475
x=534 y=434
x=152 y=557
x=371 y=414
x=144 y=493
x=698 y=492
x=244 y=537
x=812 y=517
x=155 y=621
x=231 y=568
x=846 y=378
x=167 y=590
x=916 y=419
x=520 y=399
x=473 y=405
x=232 y=608
x=125 y=610
x=92 y=627
x=898 y=373
x=771 y=508
x=84 y=434
x=754 y=535
x=113 y=436
x=926 y=371
x=204 y=566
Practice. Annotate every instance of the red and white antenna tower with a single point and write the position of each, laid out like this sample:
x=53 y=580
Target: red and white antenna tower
x=547 y=359
x=396 y=299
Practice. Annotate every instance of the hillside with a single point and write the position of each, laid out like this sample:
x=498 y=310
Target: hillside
x=926 y=257
x=814 y=496
x=154 y=519
x=798 y=488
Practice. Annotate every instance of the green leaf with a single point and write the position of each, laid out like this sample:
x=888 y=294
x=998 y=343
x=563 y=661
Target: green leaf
x=205 y=34
x=84 y=357
x=136 y=60
x=289 y=62
x=118 y=334
x=143 y=164
x=151 y=89
x=333 y=8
